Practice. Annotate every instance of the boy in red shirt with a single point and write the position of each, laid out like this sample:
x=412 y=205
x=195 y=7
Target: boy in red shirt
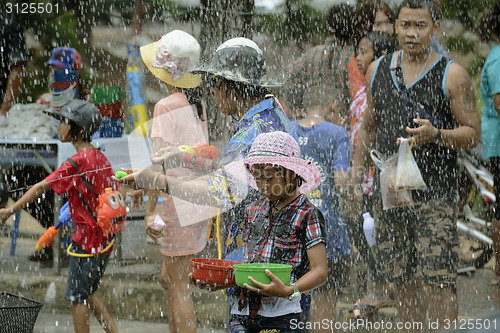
x=90 y=250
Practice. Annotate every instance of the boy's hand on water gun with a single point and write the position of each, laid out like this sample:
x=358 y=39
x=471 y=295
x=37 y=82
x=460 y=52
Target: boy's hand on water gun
x=5 y=213
x=276 y=288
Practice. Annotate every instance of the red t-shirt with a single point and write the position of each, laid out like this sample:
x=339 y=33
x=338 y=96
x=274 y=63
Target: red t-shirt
x=66 y=179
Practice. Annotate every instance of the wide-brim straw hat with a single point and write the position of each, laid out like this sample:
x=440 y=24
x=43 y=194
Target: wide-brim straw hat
x=279 y=149
x=172 y=57
x=239 y=59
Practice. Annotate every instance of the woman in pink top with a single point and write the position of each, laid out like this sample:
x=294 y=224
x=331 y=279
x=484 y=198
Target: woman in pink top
x=179 y=119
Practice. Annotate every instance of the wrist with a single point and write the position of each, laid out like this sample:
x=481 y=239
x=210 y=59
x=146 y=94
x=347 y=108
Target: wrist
x=295 y=292
x=437 y=137
x=289 y=291
x=161 y=183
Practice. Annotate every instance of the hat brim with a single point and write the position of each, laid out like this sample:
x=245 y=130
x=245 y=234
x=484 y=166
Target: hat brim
x=58 y=64
x=188 y=80
x=54 y=114
x=232 y=77
x=308 y=171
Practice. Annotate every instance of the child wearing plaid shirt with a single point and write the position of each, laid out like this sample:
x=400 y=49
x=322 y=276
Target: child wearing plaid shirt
x=284 y=228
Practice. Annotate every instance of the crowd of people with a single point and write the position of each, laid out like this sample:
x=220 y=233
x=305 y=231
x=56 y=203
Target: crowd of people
x=295 y=176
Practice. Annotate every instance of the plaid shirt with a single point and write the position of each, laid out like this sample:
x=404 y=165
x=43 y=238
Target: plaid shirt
x=285 y=237
x=323 y=64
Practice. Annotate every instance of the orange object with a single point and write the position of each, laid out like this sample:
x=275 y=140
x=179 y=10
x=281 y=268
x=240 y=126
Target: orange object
x=47 y=238
x=214 y=271
x=201 y=149
x=204 y=150
x=356 y=79
x=111 y=213
x=213 y=152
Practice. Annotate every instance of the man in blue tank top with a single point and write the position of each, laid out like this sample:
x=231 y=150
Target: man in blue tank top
x=418 y=93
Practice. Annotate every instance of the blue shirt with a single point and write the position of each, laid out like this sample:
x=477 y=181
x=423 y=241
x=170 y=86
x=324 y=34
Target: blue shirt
x=490 y=85
x=327 y=146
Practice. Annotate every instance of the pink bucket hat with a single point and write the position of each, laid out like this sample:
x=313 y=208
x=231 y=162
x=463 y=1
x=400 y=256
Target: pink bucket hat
x=276 y=148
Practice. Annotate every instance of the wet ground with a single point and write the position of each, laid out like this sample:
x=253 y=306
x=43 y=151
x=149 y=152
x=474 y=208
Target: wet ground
x=137 y=300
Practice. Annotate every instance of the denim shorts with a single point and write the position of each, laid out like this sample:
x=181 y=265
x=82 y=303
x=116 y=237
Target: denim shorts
x=283 y=324
x=84 y=274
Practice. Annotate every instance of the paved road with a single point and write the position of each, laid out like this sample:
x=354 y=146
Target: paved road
x=141 y=298
x=60 y=323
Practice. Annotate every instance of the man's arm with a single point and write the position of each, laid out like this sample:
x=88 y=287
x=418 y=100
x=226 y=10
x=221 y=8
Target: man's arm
x=460 y=90
x=14 y=83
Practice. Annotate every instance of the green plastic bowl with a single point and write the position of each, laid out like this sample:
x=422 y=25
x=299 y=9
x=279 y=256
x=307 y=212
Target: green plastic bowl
x=258 y=272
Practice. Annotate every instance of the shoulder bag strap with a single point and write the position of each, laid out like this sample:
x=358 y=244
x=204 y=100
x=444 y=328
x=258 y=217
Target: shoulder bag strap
x=86 y=181
x=400 y=80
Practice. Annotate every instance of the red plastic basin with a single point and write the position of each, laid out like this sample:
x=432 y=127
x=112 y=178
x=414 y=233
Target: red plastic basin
x=214 y=271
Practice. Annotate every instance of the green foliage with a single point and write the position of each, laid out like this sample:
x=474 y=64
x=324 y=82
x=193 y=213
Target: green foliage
x=476 y=65
x=479 y=101
x=300 y=22
x=165 y=6
x=460 y=44
x=61 y=31
x=464 y=11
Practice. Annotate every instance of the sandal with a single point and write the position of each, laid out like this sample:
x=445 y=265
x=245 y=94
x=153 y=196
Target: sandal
x=362 y=310
x=495 y=280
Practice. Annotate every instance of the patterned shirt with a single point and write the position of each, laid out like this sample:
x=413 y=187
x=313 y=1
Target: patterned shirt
x=323 y=64
x=285 y=237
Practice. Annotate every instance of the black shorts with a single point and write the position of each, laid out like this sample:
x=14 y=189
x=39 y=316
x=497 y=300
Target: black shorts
x=85 y=274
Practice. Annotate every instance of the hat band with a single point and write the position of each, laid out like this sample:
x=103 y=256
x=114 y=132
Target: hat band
x=257 y=153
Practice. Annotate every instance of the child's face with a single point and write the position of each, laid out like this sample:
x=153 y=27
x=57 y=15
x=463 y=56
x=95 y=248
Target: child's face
x=364 y=55
x=269 y=180
x=224 y=100
x=63 y=130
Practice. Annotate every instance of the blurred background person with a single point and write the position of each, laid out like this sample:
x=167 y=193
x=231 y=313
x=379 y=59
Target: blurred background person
x=326 y=145
x=326 y=63
x=65 y=81
x=12 y=61
x=384 y=19
x=363 y=23
x=489 y=30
